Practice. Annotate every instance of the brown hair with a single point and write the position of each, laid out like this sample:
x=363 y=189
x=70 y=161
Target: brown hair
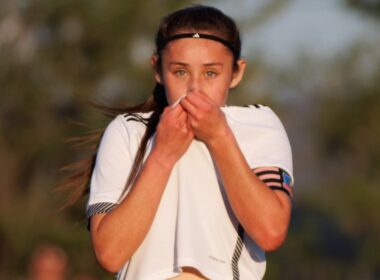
x=197 y=18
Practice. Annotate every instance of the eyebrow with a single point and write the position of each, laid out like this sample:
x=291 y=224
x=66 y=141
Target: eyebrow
x=205 y=64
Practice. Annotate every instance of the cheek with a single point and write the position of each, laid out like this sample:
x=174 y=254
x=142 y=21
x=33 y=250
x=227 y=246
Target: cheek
x=221 y=97
x=218 y=91
x=174 y=90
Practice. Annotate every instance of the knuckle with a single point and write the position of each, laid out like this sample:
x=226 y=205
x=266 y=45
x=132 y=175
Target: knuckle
x=208 y=108
x=202 y=114
x=164 y=112
x=195 y=124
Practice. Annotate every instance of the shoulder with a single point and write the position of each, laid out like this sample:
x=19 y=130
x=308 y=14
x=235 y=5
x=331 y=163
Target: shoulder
x=256 y=114
x=128 y=123
x=137 y=118
x=261 y=136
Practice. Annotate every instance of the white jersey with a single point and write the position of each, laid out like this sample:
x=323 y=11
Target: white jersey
x=194 y=224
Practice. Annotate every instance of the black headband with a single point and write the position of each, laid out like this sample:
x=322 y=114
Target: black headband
x=196 y=35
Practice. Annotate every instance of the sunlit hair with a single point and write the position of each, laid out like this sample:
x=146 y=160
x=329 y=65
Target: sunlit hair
x=197 y=18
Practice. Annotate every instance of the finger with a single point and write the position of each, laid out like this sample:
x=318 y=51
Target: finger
x=173 y=111
x=204 y=96
x=182 y=118
x=189 y=107
x=175 y=121
x=188 y=131
x=165 y=111
x=201 y=101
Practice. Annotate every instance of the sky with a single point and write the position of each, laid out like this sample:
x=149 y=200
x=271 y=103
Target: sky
x=322 y=28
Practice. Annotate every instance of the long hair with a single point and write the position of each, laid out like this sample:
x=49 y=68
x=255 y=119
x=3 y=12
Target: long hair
x=197 y=18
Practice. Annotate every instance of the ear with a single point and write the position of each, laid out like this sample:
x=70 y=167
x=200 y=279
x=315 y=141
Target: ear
x=156 y=68
x=238 y=74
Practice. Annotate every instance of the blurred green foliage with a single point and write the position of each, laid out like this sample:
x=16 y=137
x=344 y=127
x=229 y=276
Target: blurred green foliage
x=371 y=7
x=55 y=54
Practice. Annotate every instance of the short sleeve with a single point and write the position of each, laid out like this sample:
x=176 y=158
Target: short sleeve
x=261 y=137
x=112 y=167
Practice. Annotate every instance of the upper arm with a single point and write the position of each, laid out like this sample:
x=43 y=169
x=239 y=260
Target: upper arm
x=276 y=178
x=279 y=181
x=111 y=170
x=95 y=221
x=96 y=212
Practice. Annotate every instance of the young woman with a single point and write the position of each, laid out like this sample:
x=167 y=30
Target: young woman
x=183 y=186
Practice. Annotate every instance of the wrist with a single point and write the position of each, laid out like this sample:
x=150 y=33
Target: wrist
x=221 y=140
x=161 y=161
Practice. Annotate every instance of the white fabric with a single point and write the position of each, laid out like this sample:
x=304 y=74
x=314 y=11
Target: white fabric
x=194 y=224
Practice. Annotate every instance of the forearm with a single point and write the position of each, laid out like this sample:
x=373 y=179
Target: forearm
x=119 y=233
x=262 y=213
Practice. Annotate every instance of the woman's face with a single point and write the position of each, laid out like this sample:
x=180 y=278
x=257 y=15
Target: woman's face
x=200 y=65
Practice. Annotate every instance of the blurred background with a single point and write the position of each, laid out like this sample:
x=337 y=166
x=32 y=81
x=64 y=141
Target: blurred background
x=316 y=63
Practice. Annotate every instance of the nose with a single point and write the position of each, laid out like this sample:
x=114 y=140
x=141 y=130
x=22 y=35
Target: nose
x=194 y=84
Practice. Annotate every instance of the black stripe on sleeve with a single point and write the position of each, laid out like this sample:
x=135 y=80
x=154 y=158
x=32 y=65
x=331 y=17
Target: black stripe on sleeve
x=283 y=182
x=272 y=180
x=99 y=208
x=266 y=172
x=280 y=189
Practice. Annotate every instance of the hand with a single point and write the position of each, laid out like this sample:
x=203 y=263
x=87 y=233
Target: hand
x=205 y=119
x=173 y=136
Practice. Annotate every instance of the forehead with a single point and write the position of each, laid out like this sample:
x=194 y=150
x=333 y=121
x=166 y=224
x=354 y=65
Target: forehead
x=196 y=49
